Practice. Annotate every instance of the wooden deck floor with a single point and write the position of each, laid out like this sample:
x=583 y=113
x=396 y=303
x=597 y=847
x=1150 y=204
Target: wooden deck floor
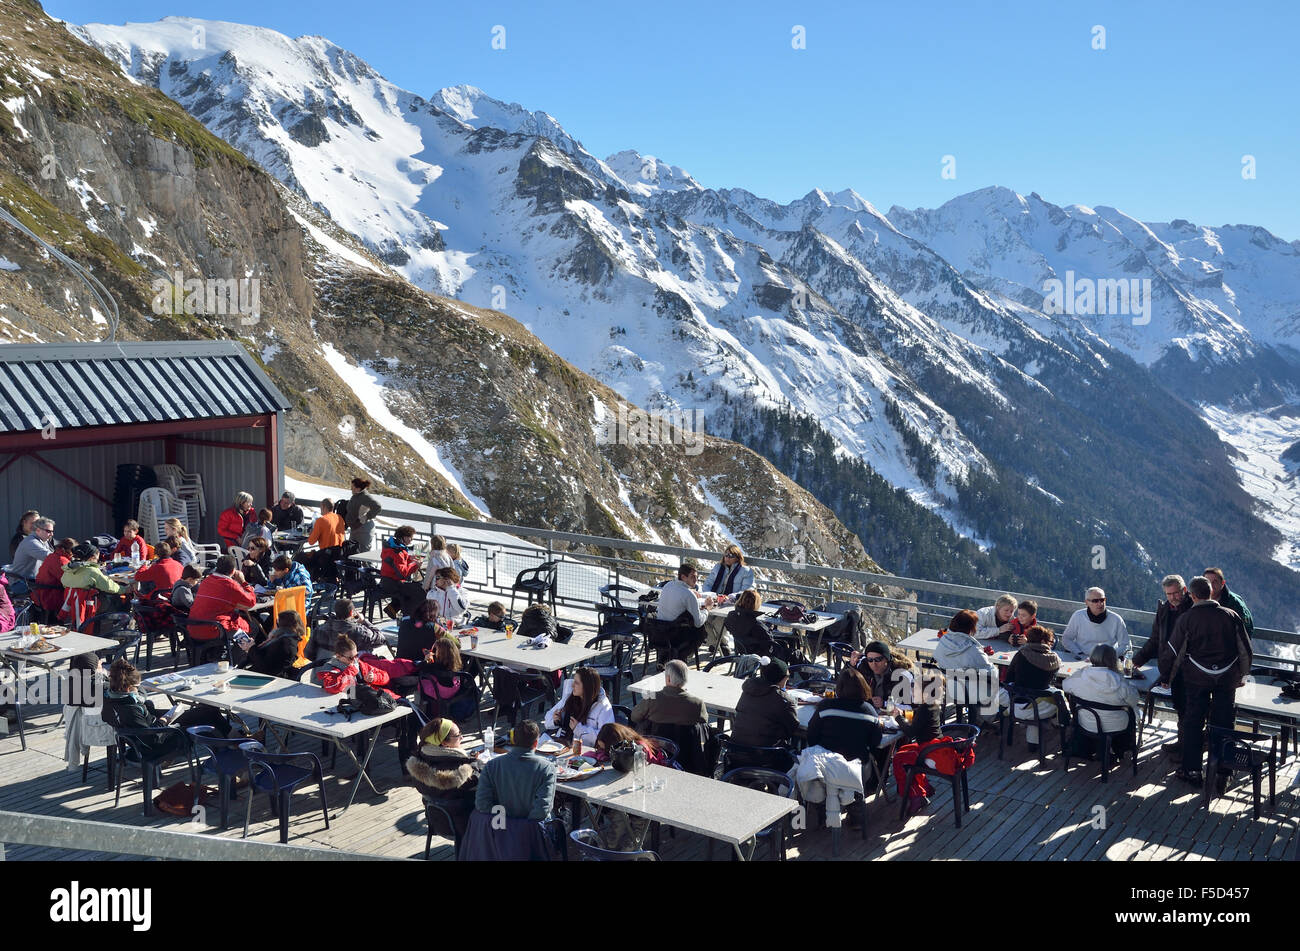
x=1018 y=811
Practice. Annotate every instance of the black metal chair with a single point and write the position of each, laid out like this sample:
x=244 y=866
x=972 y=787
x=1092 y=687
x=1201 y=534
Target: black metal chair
x=672 y=639
x=733 y=755
x=38 y=613
x=1008 y=718
x=1234 y=751
x=622 y=714
x=155 y=616
x=669 y=748
x=438 y=820
x=729 y=663
x=769 y=781
x=587 y=842
x=278 y=775
x=1089 y=712
x=800 y=672
x=11 y=680
x=623 y=648
x=514 y=692
x=838 y=653
x=537 y=584
x=133 y=746
x=118 y=626
x=963 y=736
x=208 y=650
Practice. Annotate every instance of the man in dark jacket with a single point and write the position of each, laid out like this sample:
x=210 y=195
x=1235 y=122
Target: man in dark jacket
x=672 y=706
x=1220 y=593
x=1175 y=605
x=286 y=514
x=1210 y=652
x=765 y=716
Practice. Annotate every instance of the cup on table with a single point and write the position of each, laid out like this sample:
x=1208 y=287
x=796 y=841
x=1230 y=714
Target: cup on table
x=473 y=641
x=510 y=631
x=908 y=714
x=659 y=783
x=223 y=666
x=576 y=747
x=221 y=686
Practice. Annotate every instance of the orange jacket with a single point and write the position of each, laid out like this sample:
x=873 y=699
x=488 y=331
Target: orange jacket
x=328 y=531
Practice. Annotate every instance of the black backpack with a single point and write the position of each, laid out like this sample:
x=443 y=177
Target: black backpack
x=366 y=700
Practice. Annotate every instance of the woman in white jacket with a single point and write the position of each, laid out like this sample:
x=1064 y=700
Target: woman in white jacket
x=446 y=594
x=576 y=713
x=995 y=620
x=1102 y=682
x=970 y=672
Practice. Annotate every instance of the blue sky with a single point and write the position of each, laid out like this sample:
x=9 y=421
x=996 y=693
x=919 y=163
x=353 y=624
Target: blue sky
x=1156 y=124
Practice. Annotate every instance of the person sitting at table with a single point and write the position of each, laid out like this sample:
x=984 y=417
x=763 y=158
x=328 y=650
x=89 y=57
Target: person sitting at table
x=1102 y=682
x=24 y=529
x=672 y=706
x=31 y=554
x=257 y=566
x=1026 y=617
x=126 y=707
x=1034 y=667
x=398 y=568
x=443 y=773
x=438 y=558
x=342 y=671
x=971 y=673
x=1092 y=625
x=452 y=604
x=132 y=543
x=47 y=592
x=277 y=653
x=344 y=620
x=680 y=605
x=619 y=831
x=751 y=635
x=521 y=781
x=182 y=598
x=158 y=579
x=183 y=549
x=262 y=528
x=728 y=578
x=891 y=677
x=287 y=573
x=457 y=562
x=81 y=577
x=419 y=632
x=495 y=619
x=328 y=533
x=84 y=727
x=765 y=715
x=225 y=597
x=443 y=677
x=235 y=521
x=847 y=722
x=285 y=514
x=583 y=708
x=995 y=620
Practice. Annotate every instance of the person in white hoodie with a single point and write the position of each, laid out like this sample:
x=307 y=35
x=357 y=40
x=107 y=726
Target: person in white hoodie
x=995 y=620
x=583 y=708
x=970 y=672
x=1093 y=625
x=1102 y=683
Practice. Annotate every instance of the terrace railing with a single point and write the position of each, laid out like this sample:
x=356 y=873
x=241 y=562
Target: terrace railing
x=586 y=563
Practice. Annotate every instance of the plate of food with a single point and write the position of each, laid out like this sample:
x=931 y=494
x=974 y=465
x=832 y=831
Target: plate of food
x=40 y=646
x=551 y=748
x=576 y=767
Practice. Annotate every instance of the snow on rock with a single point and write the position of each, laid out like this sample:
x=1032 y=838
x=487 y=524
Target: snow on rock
x=370 y=389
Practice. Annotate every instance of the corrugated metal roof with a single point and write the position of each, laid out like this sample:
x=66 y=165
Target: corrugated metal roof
x=102 y=384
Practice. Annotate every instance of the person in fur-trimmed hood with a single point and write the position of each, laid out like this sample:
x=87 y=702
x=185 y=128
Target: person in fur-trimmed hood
x=443 y=772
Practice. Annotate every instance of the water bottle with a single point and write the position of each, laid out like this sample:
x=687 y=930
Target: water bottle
x=639 y=763
x=1128 y=661
x=489 y=739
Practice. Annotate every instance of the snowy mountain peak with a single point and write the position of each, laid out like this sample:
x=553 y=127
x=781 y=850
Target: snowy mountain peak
x=478 y=110
x=645 y=175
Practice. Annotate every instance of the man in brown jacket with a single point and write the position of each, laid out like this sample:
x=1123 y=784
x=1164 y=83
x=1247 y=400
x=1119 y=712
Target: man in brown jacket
x=672 y=706
x=1210 y=653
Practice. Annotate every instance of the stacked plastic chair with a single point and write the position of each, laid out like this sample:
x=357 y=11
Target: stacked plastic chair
x=187 y=487
x=156 y=507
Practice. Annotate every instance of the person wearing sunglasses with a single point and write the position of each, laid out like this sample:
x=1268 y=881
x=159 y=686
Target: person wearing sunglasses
x=31 y=552
x=1092 y=625
x=894 y=691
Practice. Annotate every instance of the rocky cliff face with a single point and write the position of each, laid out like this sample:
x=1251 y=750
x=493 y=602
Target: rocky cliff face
x=440 y=402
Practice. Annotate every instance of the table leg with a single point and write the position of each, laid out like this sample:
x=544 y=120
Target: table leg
x=361 y=766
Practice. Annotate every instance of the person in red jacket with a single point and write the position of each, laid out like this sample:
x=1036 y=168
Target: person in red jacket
x=341 y=671
x=132 y=543
x=162 y=574
x=48 y=591
x=399 y=567
x=224 y=597
x=235 y=520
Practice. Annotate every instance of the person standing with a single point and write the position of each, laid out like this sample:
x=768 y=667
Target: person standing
x=362 y=511
x=1092 y=625
x=1225 y=598
x=1175 y=605
x=1210 y=653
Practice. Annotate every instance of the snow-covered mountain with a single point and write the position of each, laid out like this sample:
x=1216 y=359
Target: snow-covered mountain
x=919 y=341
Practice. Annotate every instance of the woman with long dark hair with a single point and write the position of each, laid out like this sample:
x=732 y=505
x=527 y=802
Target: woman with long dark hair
x=583 y=708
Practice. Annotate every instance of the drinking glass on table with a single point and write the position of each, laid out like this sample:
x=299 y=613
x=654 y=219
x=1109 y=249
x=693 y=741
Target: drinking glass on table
x=510 y=631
